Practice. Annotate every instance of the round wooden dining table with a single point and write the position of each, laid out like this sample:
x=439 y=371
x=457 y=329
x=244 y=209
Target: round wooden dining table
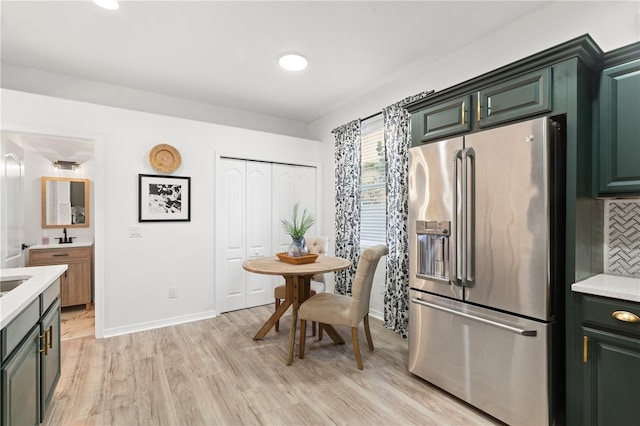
x=298 y=287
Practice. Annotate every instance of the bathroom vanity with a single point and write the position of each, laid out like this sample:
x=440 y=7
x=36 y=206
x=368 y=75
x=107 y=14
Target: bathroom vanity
x=76 y=282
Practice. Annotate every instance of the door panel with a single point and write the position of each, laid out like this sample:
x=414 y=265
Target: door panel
x=233 y=235
x=283 y=199
x=11 y=205
x=511 y=270
x=431 y=192
x=305 y=190
x=259 y=287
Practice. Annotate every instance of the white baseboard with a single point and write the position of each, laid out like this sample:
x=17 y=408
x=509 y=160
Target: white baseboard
x=150 y=325
x=376 y=314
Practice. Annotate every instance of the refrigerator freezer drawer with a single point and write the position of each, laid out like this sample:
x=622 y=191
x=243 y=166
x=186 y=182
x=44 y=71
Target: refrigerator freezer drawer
x=494 y=361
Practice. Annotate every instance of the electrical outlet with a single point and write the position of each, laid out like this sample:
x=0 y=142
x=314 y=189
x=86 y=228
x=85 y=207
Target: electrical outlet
x=173 y=292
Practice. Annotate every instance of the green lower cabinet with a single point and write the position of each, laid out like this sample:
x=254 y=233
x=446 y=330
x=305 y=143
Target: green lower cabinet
x=618 y=159
x=611 y=366
x=50 y=360
x=21 y=383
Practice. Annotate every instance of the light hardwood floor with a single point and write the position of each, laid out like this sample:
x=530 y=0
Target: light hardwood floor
x=77 y=322
x=212 y=372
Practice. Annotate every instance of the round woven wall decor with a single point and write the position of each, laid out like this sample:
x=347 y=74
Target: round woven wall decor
x=165 y=158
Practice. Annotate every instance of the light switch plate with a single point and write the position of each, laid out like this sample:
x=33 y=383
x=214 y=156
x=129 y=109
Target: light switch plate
x=135 y=231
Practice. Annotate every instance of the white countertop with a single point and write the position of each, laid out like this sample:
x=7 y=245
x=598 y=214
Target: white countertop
x=12 y=303
x=56 y=245
x=623 y=288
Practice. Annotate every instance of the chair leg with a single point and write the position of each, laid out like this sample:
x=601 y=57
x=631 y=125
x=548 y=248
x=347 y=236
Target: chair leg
x=277 y=321
x=313 y=328
x=367 y=332
x=303 y=333
x=319 y=331
x=356 y=347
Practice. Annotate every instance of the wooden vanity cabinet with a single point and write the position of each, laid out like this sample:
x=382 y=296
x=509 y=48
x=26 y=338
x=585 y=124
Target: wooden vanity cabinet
x=76 y=281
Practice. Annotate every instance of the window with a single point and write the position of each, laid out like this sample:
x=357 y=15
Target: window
x=373 y=226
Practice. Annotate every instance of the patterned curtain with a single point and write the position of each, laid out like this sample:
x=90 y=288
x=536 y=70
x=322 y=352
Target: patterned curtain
x=397 y=138
x=347 y=152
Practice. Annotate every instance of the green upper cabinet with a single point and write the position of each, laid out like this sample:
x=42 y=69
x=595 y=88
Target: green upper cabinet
x=618 y=147
x=519 y=97
x=509 y=100
x=443 y=119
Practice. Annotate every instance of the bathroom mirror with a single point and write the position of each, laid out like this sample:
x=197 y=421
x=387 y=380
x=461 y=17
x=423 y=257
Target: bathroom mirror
x=65 y=202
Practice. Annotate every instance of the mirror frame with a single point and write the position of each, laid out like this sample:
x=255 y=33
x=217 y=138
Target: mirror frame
x=43 y=194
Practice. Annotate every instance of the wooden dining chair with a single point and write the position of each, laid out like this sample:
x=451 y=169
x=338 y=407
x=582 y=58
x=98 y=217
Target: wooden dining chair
x=318 y=245
x=336 y=309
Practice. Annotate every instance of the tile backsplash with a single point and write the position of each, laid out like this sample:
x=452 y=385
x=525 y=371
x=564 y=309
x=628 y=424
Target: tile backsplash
x=622 y=237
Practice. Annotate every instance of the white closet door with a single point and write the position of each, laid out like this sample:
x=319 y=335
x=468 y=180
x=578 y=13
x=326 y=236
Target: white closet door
x=305 y=191
x=283 y=198
x=259 y=286
x=232 y=234
x=291 y=184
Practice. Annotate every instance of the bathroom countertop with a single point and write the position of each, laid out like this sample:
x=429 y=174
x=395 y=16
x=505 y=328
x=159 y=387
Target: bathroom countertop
x=56 y=245
x=40 y=278
x=616 y=287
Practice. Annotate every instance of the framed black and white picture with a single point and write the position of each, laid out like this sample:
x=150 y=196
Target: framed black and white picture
x=164 y=198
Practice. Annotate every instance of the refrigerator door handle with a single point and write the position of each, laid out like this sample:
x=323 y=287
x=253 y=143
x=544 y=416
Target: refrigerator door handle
x=456 y=279
x=469 y=215
x=512 y=329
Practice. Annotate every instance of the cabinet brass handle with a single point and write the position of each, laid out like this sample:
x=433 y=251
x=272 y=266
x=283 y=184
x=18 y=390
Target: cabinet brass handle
x=585 y=349
x=60 y=254
x=479 y=107
x=464 y=113
x=625 y=316
x=46 y=347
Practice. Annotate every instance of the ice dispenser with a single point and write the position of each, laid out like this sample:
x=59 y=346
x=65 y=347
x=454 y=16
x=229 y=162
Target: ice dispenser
x=433 y=249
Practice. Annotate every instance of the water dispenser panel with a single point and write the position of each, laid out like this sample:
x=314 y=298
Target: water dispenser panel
x=433 y=249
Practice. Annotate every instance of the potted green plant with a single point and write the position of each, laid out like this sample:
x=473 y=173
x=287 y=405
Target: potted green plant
x=296 y=228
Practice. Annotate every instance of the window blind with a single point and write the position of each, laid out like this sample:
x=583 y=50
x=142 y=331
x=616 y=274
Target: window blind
x=373 y=193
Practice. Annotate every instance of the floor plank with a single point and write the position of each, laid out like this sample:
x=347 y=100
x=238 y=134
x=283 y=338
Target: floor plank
x=212 y=372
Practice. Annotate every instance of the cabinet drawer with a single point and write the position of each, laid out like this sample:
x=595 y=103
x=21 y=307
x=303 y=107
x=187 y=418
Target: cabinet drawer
x=520 y=97
x=444 y=119
x=58 y=255
x=50 y=295
x=13 y=333
x=599 y=313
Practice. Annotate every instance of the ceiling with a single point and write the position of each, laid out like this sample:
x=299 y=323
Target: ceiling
x=225 y=53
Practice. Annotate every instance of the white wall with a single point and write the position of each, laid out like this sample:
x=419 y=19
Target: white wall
x=610 y=24
x=133 y=274
x=37 y=166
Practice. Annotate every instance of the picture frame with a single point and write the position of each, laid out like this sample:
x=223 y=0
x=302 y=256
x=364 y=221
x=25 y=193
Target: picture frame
x=164 y=198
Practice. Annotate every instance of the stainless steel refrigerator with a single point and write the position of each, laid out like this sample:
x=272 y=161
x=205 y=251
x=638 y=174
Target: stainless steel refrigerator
x=486 y=215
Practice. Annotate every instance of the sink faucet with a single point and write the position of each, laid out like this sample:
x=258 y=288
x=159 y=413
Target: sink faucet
x=65 y=239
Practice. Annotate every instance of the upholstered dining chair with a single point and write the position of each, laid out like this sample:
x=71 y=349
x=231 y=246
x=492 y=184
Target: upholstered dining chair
x=336 y=309
x=318 y=245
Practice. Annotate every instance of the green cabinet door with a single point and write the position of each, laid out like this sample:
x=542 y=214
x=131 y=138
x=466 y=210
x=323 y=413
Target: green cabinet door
x=618 y=161
x=611 y=377
x=50 y=360
x=516 y=98
x=21 y=383
x=447 y=118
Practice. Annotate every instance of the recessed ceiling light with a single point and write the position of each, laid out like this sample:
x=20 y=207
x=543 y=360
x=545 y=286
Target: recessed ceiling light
x=293 y=62
x=107 y=4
